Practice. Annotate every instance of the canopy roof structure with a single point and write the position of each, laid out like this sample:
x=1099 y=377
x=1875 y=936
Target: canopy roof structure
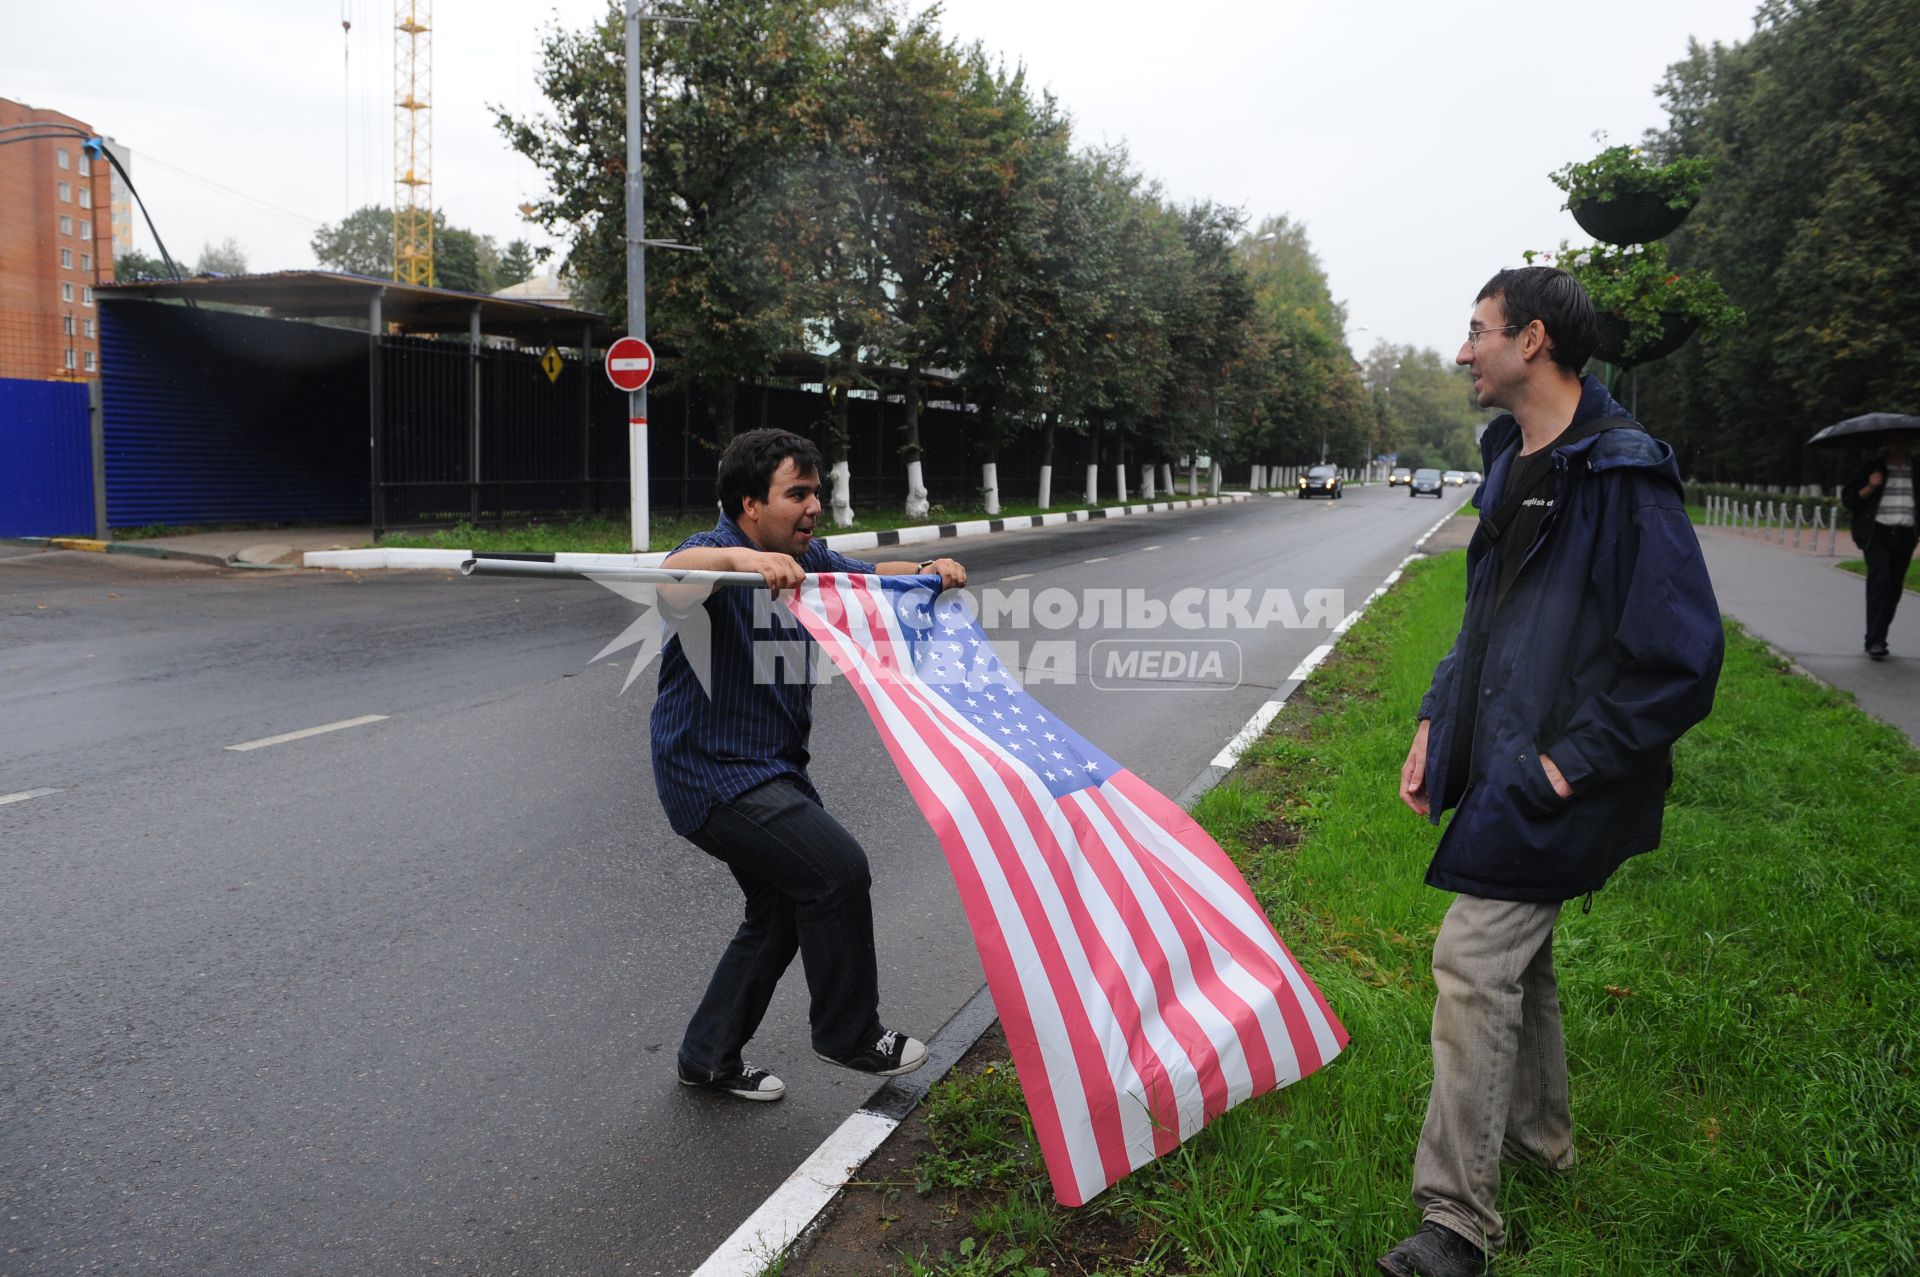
x=317 y=294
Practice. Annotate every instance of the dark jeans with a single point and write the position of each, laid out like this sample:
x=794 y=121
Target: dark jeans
x=806 y=884
x=1888 y=552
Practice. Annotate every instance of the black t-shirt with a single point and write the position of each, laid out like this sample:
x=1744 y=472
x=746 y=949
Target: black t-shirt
x=1533 y=485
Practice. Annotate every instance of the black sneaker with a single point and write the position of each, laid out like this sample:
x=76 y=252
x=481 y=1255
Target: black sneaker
x=1878 y=651
x=892 y=1054
x=746 y=1082
x=1434 y=1251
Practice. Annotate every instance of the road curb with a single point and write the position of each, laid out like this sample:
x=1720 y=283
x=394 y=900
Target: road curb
x=843 y=542
x=789 y=1215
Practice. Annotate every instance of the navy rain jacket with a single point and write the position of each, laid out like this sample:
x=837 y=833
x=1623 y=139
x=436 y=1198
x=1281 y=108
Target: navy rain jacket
x=1605 y=651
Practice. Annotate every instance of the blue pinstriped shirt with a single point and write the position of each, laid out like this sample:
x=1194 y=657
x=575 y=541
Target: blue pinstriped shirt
x=754 y=727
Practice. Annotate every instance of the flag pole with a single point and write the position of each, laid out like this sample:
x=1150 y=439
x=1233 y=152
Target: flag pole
x=481 y=566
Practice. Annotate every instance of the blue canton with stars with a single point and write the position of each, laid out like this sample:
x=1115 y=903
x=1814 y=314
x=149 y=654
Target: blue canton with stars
x=955 y=660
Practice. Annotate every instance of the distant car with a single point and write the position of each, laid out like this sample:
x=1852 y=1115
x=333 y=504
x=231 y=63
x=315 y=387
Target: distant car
x=1321 y=481
x=1475 y=477
x=1426 y=483
x=1399 y=474
x=1454 y=478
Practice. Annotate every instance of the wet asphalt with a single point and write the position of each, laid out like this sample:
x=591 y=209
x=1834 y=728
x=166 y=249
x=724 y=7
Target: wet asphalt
x=404 y=997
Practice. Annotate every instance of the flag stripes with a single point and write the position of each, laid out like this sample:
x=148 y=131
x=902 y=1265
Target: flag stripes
x=1141 y=988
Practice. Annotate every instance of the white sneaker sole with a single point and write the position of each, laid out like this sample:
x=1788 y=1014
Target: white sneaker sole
x=762 y=1097
x=912 y=1058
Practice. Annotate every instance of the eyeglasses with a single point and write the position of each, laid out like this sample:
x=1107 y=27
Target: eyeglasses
x=1475 y=334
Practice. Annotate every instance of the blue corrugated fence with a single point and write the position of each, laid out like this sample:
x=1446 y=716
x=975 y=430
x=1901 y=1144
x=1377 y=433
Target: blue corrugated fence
x=46 y=459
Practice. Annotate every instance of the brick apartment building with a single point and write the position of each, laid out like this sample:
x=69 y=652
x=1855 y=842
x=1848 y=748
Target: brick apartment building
x=56 y=244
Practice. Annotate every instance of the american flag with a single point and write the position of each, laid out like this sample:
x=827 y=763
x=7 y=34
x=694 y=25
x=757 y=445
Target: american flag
x=1142 y=990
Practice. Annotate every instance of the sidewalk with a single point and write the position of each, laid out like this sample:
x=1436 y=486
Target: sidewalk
x=1803 y=605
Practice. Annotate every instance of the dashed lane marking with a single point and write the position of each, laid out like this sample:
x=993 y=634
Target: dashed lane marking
x=25 y=794
x=305 y=732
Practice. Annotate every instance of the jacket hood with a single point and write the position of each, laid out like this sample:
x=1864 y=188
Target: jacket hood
x=1606 y=437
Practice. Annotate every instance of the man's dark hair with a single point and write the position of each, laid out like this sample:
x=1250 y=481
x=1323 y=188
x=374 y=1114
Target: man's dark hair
x=748 y=465
x=1557 y=300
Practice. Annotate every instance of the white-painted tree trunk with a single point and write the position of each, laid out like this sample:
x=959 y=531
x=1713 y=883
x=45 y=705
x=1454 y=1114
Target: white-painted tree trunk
x=1146 y=483
x=842 y=495
x=1046 y=487
x=1120 y=484
x=1254 y=478
x=1093 y=484
x=1193 y=478
x=1166 y=477
x=917 y=506
x=1213 y=480
x=990 y=485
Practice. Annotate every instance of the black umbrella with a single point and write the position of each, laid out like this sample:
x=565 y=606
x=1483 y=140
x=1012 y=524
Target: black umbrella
x=1855 y=431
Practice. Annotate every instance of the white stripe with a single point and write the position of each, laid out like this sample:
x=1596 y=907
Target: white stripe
x=305 y=732
x=1264 y=1001
x=1017 y=576
x=767 y=1233
x=630 y=365
x=25 y=794
x=1212 y=1019
x=1102 y=559
x=1314 y=658
x=1245 y=737
x=1247 y=919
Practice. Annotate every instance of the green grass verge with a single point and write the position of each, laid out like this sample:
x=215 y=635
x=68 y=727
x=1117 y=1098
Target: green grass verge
x=1740 y=1009
x=610 y=535
x=1859 y=568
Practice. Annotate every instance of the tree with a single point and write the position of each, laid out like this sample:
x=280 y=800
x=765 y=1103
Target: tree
x=1814 y=127
x=134 y=264
x=361 y=243
x=731 y=101
x=224 y=258
x=516 y=264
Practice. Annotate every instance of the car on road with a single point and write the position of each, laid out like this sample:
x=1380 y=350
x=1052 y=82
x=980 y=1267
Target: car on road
x=1399 y=474
x=1454 y=478
x=1427 y=483
x=1321 y=481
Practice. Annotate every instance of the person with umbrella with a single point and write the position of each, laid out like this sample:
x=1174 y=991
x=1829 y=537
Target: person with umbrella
x=1879 y=496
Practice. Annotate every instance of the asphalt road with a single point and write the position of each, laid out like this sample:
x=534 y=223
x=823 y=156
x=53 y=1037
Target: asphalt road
x=405 y=996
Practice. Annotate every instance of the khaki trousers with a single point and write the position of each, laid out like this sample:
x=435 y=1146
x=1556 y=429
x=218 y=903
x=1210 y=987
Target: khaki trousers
x=1499 y=1064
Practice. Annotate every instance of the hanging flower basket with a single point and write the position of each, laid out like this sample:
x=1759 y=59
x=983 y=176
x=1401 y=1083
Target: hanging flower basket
x=1631 y=217
x=1625 y=345
x=1621 y=196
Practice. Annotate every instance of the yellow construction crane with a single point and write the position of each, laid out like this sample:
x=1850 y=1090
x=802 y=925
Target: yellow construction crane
x=413 y=141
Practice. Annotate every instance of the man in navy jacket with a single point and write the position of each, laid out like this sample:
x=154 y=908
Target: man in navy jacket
x=1591 y=642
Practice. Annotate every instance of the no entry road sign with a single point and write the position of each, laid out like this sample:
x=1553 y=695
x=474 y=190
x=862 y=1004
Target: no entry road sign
x=630 y=363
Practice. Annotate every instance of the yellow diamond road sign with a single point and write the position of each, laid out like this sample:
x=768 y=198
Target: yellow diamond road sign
x=551 y=363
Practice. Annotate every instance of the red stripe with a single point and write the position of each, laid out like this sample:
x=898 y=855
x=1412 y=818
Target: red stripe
x=1168 y=815
x=1186 y=1030
x=1237 y=1011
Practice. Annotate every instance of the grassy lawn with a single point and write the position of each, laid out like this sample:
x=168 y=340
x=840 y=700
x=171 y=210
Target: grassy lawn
x=1859 y=568
x=1740 y=1011
x=610 y=535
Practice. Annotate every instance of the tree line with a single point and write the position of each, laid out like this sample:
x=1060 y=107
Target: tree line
x=916 y=220
x=1813 y=125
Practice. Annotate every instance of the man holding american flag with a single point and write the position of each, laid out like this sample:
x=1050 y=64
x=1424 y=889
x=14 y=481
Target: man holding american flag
x=730 y=765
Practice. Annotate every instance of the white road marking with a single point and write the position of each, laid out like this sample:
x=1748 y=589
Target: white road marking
x=1017 y=576
x=1196 y=538
x=25 y=794
x=756 y=1244
x=1102 y=559
x=1145 y=548
x=282 y=739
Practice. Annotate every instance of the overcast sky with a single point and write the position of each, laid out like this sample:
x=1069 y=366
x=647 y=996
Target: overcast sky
x=1413 y=139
